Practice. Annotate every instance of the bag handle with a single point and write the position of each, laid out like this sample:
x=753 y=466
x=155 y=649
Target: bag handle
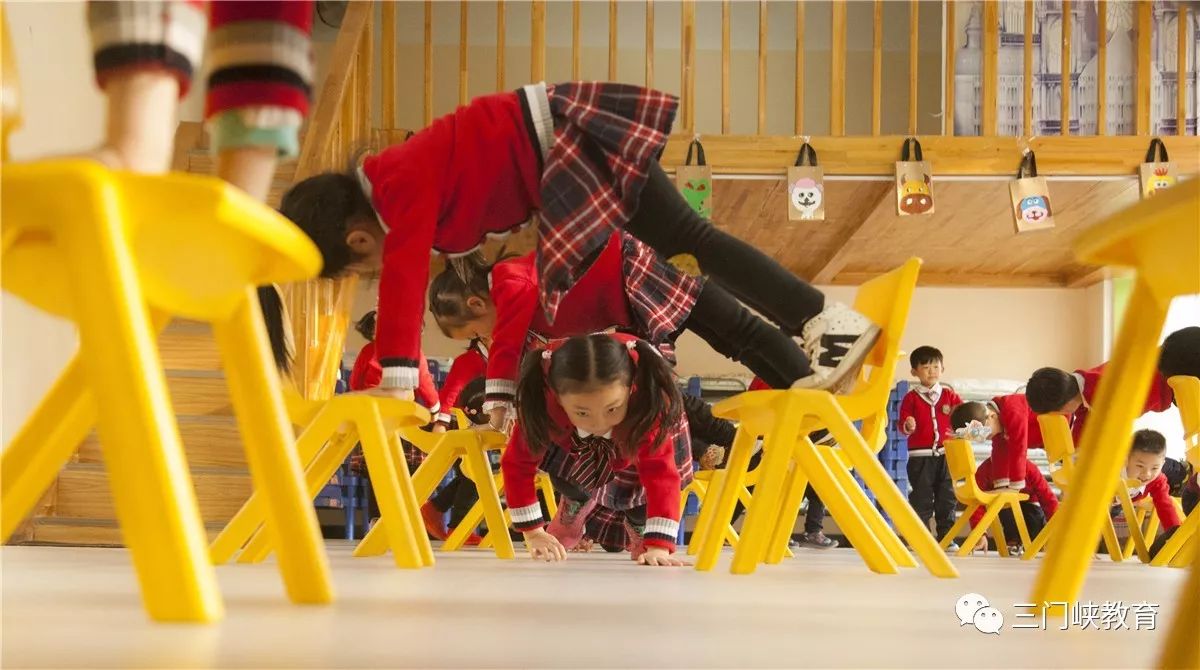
x=806 y=149
x=1028 y=165
x=1162 y=152
x=699 y=153
x=916 y=150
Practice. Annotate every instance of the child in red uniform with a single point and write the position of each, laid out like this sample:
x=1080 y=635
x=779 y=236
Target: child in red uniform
x=602 y=416
x=457 y=496
x=1054 y=391
x=466 y=368
x=581 y=155
x=367 y=372
x=1042 y=505
x=1145 y=464
x=1013 y=429
x=925 y=419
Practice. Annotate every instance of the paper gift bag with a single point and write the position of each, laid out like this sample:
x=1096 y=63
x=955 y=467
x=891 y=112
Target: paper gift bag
x=1030 y=198
x=695 y=181
x=914 y=182
x=1157 y=172
x=806 y=187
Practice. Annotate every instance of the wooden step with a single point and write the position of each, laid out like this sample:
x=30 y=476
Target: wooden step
x=208 y=442
x=188 y=345
x=200 y=161
x=83 y=492
x=199 y=393
x=86 y=532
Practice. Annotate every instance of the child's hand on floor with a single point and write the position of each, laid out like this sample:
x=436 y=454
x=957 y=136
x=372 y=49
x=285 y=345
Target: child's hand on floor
x=544 y=547
x=660 y=557
x=910 y=426
x=981 y=545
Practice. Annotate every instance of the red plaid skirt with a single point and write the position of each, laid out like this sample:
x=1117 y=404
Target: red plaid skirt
x=660 y=295
x=607 y=527
x=605 y=136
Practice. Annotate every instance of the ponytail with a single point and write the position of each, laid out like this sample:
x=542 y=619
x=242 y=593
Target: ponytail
x=464 y=276
x=655 y=402
x=533 y=415
x=272 y=310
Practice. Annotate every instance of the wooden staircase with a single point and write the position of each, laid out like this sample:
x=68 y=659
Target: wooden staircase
x=78 y=508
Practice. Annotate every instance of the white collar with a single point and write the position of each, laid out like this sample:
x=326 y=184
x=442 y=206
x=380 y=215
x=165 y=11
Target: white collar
x=1079 y=380
x=583 y=433
x=926 y=391
x=365 y=183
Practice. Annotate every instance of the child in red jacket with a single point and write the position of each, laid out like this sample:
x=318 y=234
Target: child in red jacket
x=925 y=419
x=466 y=368
x=1013 y=429
x=583 y=156
x=367 y=373
x=1144 y=466
x=1042 y=505
x=1054 y=391
x=602 y=416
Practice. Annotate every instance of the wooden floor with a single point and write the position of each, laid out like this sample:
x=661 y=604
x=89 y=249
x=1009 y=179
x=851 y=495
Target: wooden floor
x=69 y=607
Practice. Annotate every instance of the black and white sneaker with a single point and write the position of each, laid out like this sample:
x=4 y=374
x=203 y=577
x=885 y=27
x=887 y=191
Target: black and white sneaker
x=837 y=342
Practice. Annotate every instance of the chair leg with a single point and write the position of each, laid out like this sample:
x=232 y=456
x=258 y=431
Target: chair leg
x=879 y=526
x=1111 y=542
x=493 y=512
x=720 y=500
x=147 y=471
x=1186 y=554
x=998 y=534
x=708 y=509
x=1181 y=652
x=959 y=523
x=763 y=512
x=1133 y=520
x=425 y=480
x=989 y=515
x=402 y=537
x=1022 y=529
x=1190 y=528
x=1040 y=541
x=487 y=542
x=270 y=452
x=409 y=495
x=794 y=486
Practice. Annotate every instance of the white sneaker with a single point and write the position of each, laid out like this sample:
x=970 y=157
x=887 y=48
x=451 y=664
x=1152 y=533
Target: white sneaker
x=836 y=342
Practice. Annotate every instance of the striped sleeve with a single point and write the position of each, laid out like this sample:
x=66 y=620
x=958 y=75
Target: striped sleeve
x=519 y=468
x=166 y=36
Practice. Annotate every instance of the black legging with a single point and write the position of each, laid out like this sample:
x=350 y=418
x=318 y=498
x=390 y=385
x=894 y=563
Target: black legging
x=666 y=222
x=457 y=497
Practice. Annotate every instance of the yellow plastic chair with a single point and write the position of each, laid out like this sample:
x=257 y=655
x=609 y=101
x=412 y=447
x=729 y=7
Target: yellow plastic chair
x=961 y=461
x=10 y=89
x=476 y=515
x=332 y=428
x=1145 y=520
x=116 y=252
x=786 y=418
x=1160 y=239
x=1181 y=549
x=444 y=450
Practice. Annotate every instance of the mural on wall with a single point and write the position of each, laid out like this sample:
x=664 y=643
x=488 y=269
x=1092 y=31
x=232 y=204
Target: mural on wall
x=1121 y=75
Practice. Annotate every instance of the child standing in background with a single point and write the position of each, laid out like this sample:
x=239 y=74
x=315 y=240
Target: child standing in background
x=925 y=419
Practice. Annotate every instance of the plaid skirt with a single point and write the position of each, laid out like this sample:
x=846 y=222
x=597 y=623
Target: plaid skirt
x=607 y=528
x=605 y=137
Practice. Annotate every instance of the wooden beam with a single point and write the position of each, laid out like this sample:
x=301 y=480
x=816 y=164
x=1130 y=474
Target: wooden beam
x=576 y=42
x=387 y=65
x=948 y=60
x=1101 y=68
x=537 y=61
x=799 y=127
x=612 y=40
x=1027 y=79
x=762 y=67
x=877 y=69
x=959 y=279
x=1065 y=70
x=428 y=100
x=837 y=70
x=1143 y=68
x=725 y=67
x=837 y=262
x=865 y=155
x=649 y=43
x=687 y=76
x=913 y=44
x=1086 y=277
x=1181 y=68
x=991 y=70
x=462 y=52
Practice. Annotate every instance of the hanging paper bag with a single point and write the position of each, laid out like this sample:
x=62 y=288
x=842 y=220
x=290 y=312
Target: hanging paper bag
x=1031 y=197
x=695 y=181
x=1157 y=172
x=914 y=182
x=806 y=187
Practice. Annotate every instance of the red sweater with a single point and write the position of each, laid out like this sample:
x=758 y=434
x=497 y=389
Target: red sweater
x=1019 y=430
x=470 y=365
x=933 y=419
x=597 y=301
x=1159 y=491
x=471 y=173
x=1035 y=487
x=1158 y=399
x=367 y=372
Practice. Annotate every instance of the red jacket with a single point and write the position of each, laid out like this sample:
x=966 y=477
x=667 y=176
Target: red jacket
x=1035 y=487
x=933 y=420
x=1158 y=399
x=1159 y=491
x=597 y=301
x=1019 y=430
x=471 y=173
x=468 y=366
x=367 y=372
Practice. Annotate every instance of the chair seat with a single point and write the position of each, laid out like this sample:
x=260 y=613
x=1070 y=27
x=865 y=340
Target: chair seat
x=198 y=241
x=986 y=497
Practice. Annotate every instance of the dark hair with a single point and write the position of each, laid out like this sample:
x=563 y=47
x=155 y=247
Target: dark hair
x=324 y=206
x=585 y=362
x=1049 y=389
x=1181 y=353
x=922 y=355
x=968 y=412
x=1149 y=442
x=470 y=400
x=271 y=304
x=366 y=326
x=463 y=277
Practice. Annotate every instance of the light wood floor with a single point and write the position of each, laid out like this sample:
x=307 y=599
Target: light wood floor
x=67 y=607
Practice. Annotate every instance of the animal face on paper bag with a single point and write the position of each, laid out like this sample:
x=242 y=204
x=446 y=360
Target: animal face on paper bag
x=1162 y=179
x=696 y=193
x=1034 y=209
x=915 y=196
x=806 y=196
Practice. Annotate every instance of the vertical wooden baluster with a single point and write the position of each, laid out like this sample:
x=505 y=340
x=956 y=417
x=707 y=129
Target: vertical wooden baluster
x=612 y=40
x=1143 y=67
x=948 y=58
x=837 y=70
x=877 y=70
x=913 y=44
x=799 y=127
x=1181 y=69
x=1101 y=66
x=1027 y=83
x=366 y=67
x=387 y=65
x=649 y=43
x=688 y=67
x=538 y=60
x=991 y=70
x=725 y=67
x=463 y=52
x=1065 y=70
x=428 y=115
x=501 y=34
x=762 y=67
x=576 y=42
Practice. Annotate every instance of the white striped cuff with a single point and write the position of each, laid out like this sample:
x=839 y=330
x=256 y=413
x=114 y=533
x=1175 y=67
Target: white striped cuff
x=504 y=387
x=443 y=417
x=657 y=525
x=180 y=26
x=400 y=378
x=247 y=43
x=436 y=409
x=539 y=108
x=527 y=516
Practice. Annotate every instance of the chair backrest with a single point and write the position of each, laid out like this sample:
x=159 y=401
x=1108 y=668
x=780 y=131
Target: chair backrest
x=10 y=90
x=960 y=459
x=1060 y=448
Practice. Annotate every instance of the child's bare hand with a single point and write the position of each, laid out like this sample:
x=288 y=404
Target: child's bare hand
x=660 y=557
x=981 y=545
x=543 y=546
x=910 y=426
